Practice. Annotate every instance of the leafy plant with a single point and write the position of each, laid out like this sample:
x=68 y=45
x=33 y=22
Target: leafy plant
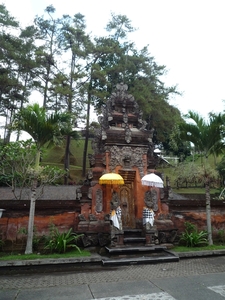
x=23 y=231
x=1 y=243
x=60 y=242
x=221 y=234
x=19 y=256
x=192 y=237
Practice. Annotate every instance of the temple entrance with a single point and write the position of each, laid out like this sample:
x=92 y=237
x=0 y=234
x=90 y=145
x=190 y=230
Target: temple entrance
x=127 y=205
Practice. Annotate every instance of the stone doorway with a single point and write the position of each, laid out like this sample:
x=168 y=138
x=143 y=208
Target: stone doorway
x=127 y=206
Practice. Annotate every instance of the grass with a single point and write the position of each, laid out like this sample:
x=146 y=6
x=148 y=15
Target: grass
x=85 y=253
x=189 y=249
x=195 y=190
x=18 y=256
x=55 y=156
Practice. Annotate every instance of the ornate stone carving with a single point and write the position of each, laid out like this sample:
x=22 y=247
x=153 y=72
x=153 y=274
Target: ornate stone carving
x=81 y=217
x=151 y=199
x=89 y=193
x=92 y=217
x=99 y=202
x=135 y=153
x=128 y=134
x=78 y=194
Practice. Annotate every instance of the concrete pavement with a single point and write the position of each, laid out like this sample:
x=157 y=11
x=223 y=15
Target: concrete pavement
x=190 y=278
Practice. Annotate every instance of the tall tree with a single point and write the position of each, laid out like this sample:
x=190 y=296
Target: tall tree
x=48 y=53
x=75 y=40
x=43 y=128
x=9 y=83
x=207 y=139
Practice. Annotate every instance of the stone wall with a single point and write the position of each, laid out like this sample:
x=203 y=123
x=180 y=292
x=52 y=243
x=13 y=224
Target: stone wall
x=65 y=214
x=62 y=213
x=194 y=211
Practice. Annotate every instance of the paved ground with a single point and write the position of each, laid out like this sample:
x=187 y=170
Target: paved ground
x=191 y=278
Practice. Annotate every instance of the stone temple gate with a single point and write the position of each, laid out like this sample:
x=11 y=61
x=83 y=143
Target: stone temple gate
x=122 y=145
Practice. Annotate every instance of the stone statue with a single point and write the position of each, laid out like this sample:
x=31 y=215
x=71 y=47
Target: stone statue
x=115 y=215
x=148 y=214
x=78 y=194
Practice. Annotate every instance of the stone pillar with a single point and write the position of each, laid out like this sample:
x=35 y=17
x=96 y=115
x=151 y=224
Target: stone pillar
x=120 y=239
x=149 y=237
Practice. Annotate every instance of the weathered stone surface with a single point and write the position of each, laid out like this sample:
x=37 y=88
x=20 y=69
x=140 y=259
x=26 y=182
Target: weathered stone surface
x=62 y=192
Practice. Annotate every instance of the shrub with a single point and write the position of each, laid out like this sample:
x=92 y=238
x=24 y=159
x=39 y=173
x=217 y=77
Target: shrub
x=192 y=237
x=1 y=243
x=221 y=234
x=23 y=231
x=61 y=242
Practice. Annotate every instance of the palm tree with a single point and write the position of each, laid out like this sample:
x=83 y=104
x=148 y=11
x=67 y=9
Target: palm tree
x=207 y=139
x=42 y=128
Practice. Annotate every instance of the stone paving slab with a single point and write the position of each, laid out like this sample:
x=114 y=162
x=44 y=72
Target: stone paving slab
x=98 y=258
x=182 y=288
x=197 y=279
x=119 y=288
x=152 y=296
x=185 y=267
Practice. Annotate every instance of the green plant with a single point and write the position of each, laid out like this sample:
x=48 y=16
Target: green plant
x=23 y=231
x=1 y=243
x=192 y=237
x=60 y=242
x=19 y=256
x=221 y=234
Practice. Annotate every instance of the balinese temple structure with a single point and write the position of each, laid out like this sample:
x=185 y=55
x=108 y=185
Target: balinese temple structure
x=122 y=145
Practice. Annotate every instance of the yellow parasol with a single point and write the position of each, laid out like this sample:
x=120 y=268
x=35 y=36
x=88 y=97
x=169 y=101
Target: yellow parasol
x=111 y=178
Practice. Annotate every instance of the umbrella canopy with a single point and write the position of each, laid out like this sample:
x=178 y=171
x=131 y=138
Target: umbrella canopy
x=111 y=178
x=152 y=180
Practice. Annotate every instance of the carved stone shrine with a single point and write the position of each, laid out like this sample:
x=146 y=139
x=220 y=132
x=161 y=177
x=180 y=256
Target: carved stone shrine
x=123 y=145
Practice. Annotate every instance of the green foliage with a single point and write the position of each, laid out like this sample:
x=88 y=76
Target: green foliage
x=192 y=237
x=200 y=248
x=190 y=174
x=73 y=253
x=17 y=160
x=43 y=127
x=1 y=243
x=221 y=234
x=36 y=239
x=206 y=136
x=221 y=168
x=61 y=242
x=22 y=230
x=186 y=174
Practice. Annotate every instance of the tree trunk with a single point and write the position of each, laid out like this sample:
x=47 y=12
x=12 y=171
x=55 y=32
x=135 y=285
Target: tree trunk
x=208 y=211
x=86 y=135
x=67 y=160
x=29 y=245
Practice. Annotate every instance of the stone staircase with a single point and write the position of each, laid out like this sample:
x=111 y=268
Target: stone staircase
x=135 y=250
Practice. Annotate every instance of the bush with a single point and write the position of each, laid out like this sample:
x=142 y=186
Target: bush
x=221 y=234
x=192 y=237
x=60 y=242
x=1 y=243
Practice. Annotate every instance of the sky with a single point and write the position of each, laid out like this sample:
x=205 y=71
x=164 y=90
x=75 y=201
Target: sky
x=186 y=36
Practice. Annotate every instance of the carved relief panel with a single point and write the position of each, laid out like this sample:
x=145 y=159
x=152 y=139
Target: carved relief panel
x=127 y=206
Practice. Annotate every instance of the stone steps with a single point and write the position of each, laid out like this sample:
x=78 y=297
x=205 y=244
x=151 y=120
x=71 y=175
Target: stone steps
x=126 y=255
x=135 y=250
